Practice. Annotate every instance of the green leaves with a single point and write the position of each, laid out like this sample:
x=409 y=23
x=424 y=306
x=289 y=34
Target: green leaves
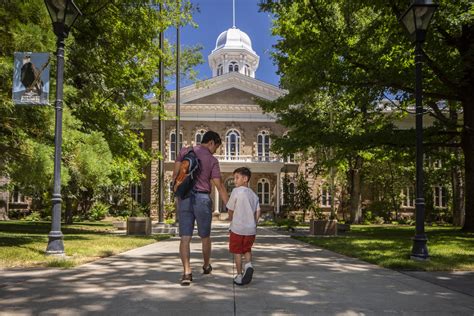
x=112 y=56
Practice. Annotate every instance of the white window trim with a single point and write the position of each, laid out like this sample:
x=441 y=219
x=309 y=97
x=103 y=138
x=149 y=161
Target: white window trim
x=407 y=201
x=136 y=192
x=438 y=197
x=228 y=155
x=326 y=195
x=264 y=155
x=199 y=132
x=171 y=143
x=261 y=195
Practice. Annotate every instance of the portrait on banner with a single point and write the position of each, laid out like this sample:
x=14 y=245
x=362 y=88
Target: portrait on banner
x=31 y=78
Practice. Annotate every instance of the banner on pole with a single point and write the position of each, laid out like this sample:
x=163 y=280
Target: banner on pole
x=31 y=79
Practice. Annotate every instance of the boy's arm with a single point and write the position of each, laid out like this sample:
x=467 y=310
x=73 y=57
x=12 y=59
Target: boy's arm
x=257 y=213
x=257 y=216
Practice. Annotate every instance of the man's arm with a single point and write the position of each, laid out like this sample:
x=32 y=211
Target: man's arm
x=177 y=164
x=221 y=189
x=231 y=214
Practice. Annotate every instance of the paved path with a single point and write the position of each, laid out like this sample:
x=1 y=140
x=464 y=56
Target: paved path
x=291 y=278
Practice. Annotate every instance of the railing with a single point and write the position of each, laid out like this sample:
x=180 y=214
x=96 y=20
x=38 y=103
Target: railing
x=248 y=158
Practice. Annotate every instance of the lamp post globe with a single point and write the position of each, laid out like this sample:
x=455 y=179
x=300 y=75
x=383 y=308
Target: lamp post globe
x=416 y=20
x=63 y=14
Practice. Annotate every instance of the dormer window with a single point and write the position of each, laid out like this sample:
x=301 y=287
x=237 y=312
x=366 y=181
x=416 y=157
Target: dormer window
x=220 y=70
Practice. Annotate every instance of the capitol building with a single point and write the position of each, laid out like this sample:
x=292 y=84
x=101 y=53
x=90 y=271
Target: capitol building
x=226 y=104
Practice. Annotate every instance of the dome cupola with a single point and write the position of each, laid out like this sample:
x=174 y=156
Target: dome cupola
x=233 y=53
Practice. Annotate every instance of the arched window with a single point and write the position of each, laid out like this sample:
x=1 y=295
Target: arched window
x=247 y=70
x=263 y=146
x=220 y=70
x=199 y=134
x=172 y=155
x=232 y=148
x=263 y=191
x=326 y=198
x=233 y=66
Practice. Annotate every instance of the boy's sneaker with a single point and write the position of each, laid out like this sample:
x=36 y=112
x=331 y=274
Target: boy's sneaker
x=207 y=270
x=248 y=273
x=186 y=279
x=238 y=279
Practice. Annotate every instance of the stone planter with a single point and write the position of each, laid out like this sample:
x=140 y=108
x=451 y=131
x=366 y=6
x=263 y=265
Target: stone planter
x=343 y=228
x=323 y=227
x=120 y=225
x=138 y=226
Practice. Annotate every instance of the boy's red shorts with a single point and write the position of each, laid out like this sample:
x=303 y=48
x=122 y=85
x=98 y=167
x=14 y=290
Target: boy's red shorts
x=240 y=244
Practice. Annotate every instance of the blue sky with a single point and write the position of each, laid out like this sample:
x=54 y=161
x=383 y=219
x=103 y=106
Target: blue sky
x=215 y=16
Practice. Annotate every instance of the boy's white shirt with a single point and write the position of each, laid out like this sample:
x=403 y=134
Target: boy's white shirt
x=244 y=202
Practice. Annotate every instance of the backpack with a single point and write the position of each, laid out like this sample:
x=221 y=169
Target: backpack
x=187 y=175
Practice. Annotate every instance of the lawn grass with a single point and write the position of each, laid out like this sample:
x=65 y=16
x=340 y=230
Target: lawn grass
x=23 y=243
x=390 y=246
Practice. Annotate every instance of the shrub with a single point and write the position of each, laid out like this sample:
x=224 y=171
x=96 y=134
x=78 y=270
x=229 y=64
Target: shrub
x=289 y=224
x=34 y=217
x=378 y=220
x=170 y=221
x=17 y=213
x=98 y=211
x=368 y=216
x=406 y=221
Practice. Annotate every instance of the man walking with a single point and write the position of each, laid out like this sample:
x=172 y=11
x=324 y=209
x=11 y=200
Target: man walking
x=198 y=206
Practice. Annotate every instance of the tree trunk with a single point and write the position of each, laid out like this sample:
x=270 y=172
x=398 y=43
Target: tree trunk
x=68 y=212
x=4 y=198
x=3 y=210
x=457 y=183
x=356 y=191
x=467 y=144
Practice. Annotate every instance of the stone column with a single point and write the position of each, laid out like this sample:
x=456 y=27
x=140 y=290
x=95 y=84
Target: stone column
x=278 y=184
x=154 y=171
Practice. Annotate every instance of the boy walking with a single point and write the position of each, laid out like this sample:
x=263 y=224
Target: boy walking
x=244 y=211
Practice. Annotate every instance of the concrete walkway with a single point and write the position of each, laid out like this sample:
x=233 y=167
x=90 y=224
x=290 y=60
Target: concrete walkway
x=291 y=278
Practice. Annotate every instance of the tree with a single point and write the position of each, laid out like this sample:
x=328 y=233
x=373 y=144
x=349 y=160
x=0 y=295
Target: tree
x=112 y=58
x=303 y=197
x=345 y=45
x=288 y=196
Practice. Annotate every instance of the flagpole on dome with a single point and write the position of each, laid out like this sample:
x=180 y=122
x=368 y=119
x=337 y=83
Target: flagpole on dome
x=233 y=14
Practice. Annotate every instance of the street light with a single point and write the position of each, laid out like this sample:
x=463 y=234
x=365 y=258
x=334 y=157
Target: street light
x=416 y=21
x=63 y=14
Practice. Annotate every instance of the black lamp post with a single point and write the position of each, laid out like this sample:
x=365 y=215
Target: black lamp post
x=416 y=20
x=63 y=14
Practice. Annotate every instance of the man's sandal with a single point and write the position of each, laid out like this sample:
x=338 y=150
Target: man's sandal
x=186 y=279
x=207 y=270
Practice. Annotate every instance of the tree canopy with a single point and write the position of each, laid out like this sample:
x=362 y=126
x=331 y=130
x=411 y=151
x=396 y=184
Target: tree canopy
x=357 y=51
x=112 y=57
